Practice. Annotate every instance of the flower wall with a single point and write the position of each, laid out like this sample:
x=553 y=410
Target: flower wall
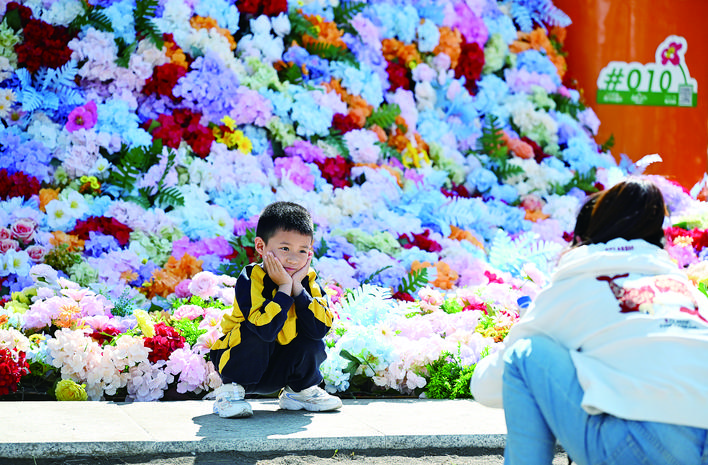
x=437 y=144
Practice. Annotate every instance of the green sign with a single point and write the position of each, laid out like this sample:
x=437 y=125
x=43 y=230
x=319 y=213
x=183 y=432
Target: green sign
x=667 y=82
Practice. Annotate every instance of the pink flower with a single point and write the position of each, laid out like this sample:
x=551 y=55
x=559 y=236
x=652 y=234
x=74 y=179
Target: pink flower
x=182 y=289
x=36 y=252
x=205 y=284
x=188 y=311
x=83 y=117
x=23 y=229
x=7 y=244
x=670 y=53
x=5 y=233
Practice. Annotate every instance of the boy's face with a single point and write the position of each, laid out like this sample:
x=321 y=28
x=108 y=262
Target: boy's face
x=291 y=248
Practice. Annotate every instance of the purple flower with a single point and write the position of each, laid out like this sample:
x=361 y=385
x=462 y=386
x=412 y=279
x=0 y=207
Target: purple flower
x=296 y=170
x=83 y=117
x=305 y=150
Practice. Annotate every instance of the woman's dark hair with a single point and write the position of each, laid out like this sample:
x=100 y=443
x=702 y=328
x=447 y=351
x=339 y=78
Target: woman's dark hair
x=284 y=216
x=632 y=209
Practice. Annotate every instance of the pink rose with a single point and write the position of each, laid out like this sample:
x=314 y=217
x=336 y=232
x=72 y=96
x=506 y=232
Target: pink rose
x=7 y=244
x=23 y=229
x=5 y=233
x=205 y=284
x=188 y=311
x=36 y=252
x=182 y=289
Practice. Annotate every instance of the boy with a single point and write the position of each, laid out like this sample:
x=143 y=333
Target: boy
x=273 y=338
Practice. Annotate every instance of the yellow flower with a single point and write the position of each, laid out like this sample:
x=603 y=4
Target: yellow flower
x=68 y=390
x=229 y=122
x=144 y=323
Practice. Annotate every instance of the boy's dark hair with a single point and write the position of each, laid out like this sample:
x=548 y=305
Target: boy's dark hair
x=284 y=216
x=632 y=209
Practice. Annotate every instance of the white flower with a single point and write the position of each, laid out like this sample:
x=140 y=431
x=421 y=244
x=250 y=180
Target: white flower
x=281 y=25
x=7 y=98
x=58 y=214
x=15 y=262
x=102 y=168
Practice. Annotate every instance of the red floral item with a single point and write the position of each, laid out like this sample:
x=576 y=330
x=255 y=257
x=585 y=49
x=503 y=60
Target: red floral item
x=17 y=184
x=184 y=124
x=13 y=366
x=336 y=170
x=422 y=241
x=470 y=64
x=104 y=225
x=265 y=7
x=165 y=341
x=44 y=45
x=164 y=78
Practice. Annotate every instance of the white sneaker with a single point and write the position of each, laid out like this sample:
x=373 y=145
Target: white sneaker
x=314 y=399
x=230 y=402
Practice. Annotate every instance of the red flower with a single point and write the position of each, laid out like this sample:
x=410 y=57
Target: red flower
x=456 y=191
x=13 y=367
x=44 y=45
x=169 y=131
x=422 y=241
x=23 y=13
x=406 y=297
x=398 y=76
x=200 y=139
x=104 y=225
x=165 y=341
x=265 y=7
x=17 y=184
x=344 y=123
x=538 y=153
x=336 y=170
x=104 y=335
x=470 y=64
x=164 y=78
x=493 y=278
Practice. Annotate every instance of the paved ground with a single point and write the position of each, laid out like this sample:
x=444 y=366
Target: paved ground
x=364 y=432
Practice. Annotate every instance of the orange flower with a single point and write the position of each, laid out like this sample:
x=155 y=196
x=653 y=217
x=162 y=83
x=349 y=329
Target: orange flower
x=450 y=44
x=389 y=48
x=460 y=234
x=358 y=106
x=535 y=215
x=163 y=282
x=328 y=33
x=393 y=49
x=200 y=22
x=379 y=132
x=518 y=147
x=60 y=237
x=175 y=54
x=46 y=195
x=447 y=277
x=537 y=40
x=129 y=276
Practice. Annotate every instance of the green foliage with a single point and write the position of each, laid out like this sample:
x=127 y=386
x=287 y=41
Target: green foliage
x=491 y=143
x=299 y=26
x=344 y=12
x=240 y=245
x=388 y=152
x=325 y=50
x=584 y=182
x=131 y=164
x=703 y=288
x=60 y=258
x=144 y=11
x=321 y=249
x=292 y=74
x=124 y=305
x=125 y=50
x=416 y=280
x=92 y=17
x=449 y=379
x=451 y=306
x=567 y=105
x=384 y=116
x=608 y=144
x=189 y=329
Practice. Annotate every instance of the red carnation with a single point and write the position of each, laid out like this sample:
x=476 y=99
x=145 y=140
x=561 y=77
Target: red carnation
x=538 y=153
x=456 y=191
x=104 y=335
x=165 y=341
x=422 y=241
x=344 y=123
x=169 y=131
x=336 y=170
x=199 y=139
x=164 y=78
x=274 y=7
x=406 y=297
x=398 y=76
x=265 y=7
x=470 y=64
x=13 y=367
x=17 y=184
x=44 y=45
x=104 y=225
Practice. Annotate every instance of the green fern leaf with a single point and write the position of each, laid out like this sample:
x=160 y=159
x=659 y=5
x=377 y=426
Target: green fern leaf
x=170 y=196
x=491 y=141
x=144 y=27
x=384 y=116
x=125 y=51
x=92 y=17
x=415 y=280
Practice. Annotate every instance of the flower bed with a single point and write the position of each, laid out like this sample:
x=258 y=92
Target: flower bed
x=436 y=143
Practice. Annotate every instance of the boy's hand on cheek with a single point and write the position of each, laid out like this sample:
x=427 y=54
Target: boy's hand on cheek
x=277 y=273
x=300 y=274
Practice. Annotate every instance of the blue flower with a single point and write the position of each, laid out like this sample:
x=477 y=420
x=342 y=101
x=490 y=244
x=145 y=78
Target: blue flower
x=224 y=12
x=359 y=81
x=428 y=36
x=114 y=117
x=491 y=91
x=582 y=157
x=482 y=179
x=245 y=201
x=535 y=61
x=499 y=23
x=98 y=244
x=503 y=192
x=121 y=16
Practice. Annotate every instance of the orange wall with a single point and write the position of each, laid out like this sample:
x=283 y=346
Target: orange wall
x=631 y=30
